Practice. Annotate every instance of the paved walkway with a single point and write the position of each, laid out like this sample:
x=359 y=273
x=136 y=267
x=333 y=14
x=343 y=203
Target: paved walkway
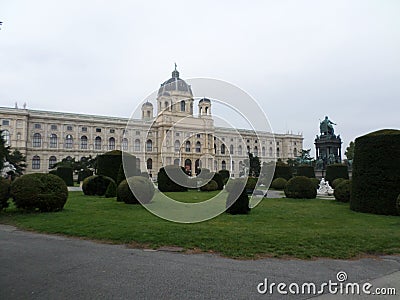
x=39 y=266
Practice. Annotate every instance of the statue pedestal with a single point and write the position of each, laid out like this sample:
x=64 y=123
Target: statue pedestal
x=328 y=149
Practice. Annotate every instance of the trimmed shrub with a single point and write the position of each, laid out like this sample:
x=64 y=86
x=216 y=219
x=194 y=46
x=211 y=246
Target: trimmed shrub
x=336 y=182
x=111 y=190
x=300 y=187
x=236 y=184
x=53 y=172
x=342 y=191
x=204 y=173
x=307 y=171
x=143 y=190
x=209 y=186
x=218 y=179
x=376 y=176
x=398 y=204
x=336 y=171
x=166 y=184
x=108 y=164
x=315 y=182
x=4 y=193
x=225 y=175
x=279 y=183
x=37 y=191
x=282 y=171
x=96 y=185
x=84 y=174
x=66 y=174
x=237 y=201
x=251 y=184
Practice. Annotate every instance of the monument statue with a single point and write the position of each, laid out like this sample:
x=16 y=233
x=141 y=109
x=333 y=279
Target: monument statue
x=326 y=127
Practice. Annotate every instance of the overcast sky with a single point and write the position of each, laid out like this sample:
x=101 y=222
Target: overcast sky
x=301 y=60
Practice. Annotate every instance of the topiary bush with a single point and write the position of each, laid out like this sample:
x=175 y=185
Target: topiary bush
x=336 y=171
x=376 y=176
x=282 y=171
x=84 y=174
x=4 y=193
x=251 y=184
x=42 y=192
x=218 y=179
x=135 y=190
x=307 y=171
x=166 y=184
x=209 y=186
x=300 y=187
x=96 y=185
x=237 y=201
x=225 y=175
x=279 y=183
x=108 y=164
x=66 y=174
x=342 y=191
x=398 y=204
x=336 y=182
x=315 y=182
x=111 y=191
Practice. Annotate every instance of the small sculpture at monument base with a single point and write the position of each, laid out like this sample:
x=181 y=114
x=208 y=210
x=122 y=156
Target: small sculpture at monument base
x=324 y=188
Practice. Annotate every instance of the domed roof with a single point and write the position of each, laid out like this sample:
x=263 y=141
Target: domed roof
x=174 y=84
x=205 y=100
x=147 y=103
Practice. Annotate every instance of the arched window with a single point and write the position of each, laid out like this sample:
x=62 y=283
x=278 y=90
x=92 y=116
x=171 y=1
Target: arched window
x=111 y=143
x=255 y=151
x=125 y=144
x=149 y=145
x=277 y=152
x=6 y=137
x=223 y=164
x=295 y=154
x=198 y=147
x=149 y=164
x=187 y=146
x=36 y=162
x=68 y=141
x=37 y=140
x=248 y=149
x=166 y=105
x=84 y=142
x=240 y=151
x=52 y=161
x=137 y=145
x=138 y=163
x=223 y=149
x=177 y=146
x=231 y=150
x=215 y=165
x=233 y=165
x=183 y=105
x=215 y=149
x=270 y=151
x=53 y=140
x=97 y=143
x=263 y=151
x=176 y=161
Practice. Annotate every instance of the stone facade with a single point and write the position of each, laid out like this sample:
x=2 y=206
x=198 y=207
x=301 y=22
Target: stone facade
x=174 y=135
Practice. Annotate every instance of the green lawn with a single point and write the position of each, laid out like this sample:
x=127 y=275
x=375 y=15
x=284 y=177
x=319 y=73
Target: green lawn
x=276 y=227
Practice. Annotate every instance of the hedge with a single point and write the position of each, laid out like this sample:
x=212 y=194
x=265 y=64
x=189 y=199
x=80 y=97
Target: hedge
x=219 y=180
x=37 y=191
x=66 y=174
x=108 y=164
x=225 y=175
x=237 y=201
x=376 y=176
x=307 y=171
x=209 y=186
x=343 y=190
x=300 y=187
x=135 y=190
x=166 y=184
x=279 y=183
x=283 y=171
x=336 y=171
x=96 y=185
x=111 y=191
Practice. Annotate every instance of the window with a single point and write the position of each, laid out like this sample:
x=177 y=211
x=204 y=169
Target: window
x=97 y=143
x=98 y=129
x=137 y=133
x=222 y=149
x=263 y=151
x=6 y=137
x=233 y=165
x=38 y=126
x=255 y=141
x=111 y=143
x=198 y=135
x=231 y=150
x=6 y=123
x=277 y=152
x=52 y=161
x=255 y=151
x=295 y=143
x=53 y=127
x=166 y=105
x=125 y=144
x=18 y=136
x=277 y=143
x=112 y=130
x=36 y=162
x=270 y=151
x=240 y=151
x=53 y=140
x=84 y=142
x=149 y=145
x=137 y=145
x=20 y=124
x=295 y=152
x=198 y=147
x=177 y=146
x=183 y=106
x=223 y=164
x=149 y=164
x=248 y=141
x=187 y=146
x=177 y=134
x=84 y=129
x=68 y=141
x=69 y=127
x=37 y=140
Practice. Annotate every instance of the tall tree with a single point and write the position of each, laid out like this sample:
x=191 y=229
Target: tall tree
x=350 y=151
x=18 y=160
x=254 y=165
x=3 y=150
